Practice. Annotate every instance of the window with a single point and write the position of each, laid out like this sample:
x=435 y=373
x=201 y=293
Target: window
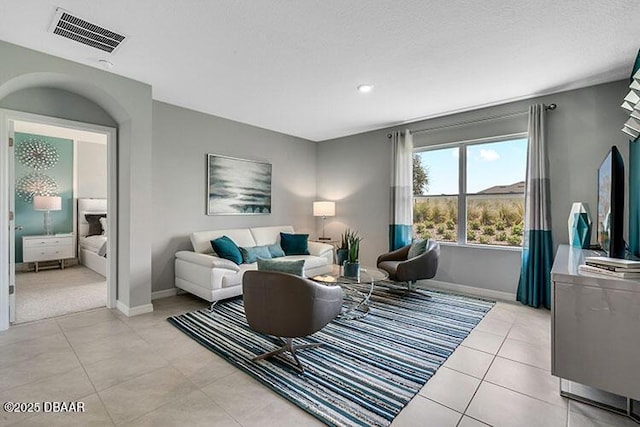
x=471 y=193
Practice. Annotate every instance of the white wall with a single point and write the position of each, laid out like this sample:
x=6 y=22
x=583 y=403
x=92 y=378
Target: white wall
x=355 y=171
x=91 y=160
x=181 y=140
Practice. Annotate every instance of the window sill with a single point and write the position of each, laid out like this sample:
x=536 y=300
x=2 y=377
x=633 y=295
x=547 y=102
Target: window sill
x=479 y=246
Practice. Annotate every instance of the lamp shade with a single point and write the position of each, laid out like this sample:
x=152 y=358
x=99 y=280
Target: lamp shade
x=324 y=208
x=47 y=203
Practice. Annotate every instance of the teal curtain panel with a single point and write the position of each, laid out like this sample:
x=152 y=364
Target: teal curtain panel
x=534 y=287
x=401 y=215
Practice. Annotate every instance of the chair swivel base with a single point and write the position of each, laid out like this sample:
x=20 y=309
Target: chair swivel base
x=400 y=287
x=291 y=348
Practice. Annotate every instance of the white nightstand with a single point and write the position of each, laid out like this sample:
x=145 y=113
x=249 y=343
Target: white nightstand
x=56 y=247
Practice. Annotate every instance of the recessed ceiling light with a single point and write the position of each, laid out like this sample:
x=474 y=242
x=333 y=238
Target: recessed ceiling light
x=107 y=65
x=365 y=88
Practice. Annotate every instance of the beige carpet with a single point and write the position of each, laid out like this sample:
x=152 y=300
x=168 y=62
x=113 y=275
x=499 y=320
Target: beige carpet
x=52 y=293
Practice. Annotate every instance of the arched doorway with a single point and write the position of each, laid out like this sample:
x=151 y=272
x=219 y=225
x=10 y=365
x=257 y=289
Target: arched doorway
x=91 y=95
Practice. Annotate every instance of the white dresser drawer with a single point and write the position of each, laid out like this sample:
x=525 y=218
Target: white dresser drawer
x=43 y=241
x=47 y=253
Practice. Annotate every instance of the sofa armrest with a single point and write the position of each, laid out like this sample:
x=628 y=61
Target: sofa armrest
x=320 y=249
x=207 y=260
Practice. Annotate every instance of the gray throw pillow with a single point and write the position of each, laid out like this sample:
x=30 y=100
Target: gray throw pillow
x=291 y=267
x=418 y=247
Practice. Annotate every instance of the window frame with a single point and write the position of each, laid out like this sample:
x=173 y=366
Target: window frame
x=462 y=185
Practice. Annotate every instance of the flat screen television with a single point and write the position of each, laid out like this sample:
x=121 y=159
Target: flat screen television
x=611 y=204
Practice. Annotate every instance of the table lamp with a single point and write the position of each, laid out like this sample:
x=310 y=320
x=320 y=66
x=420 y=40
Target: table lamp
x=47 y=204
x=324 y=209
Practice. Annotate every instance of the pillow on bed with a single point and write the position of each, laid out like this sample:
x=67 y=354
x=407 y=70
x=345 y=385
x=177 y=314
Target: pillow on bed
x=95 y=229
x=103 y=224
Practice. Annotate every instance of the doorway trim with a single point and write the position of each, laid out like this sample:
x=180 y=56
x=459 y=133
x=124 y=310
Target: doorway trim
x=7 y=116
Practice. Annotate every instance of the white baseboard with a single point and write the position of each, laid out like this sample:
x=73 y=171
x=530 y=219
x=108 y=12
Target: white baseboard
x=164 y=293
x=133 y=311
x=470 y=290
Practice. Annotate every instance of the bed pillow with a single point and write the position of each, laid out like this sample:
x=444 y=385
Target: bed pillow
x=275 y=250
x=252 y=253
x=291 y=267
x=95 y=229
x=227 y=249
x=294 y=244
x=103 y=224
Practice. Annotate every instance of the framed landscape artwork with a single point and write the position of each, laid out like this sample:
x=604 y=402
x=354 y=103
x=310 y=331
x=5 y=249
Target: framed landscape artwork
x=238 y=186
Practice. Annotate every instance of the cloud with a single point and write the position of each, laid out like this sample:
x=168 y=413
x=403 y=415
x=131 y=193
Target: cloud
x=489 y=155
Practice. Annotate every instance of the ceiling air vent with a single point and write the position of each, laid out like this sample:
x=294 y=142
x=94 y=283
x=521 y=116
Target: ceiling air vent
x=67 y=25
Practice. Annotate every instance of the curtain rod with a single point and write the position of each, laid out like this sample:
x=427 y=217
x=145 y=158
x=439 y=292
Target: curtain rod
x=549 y=107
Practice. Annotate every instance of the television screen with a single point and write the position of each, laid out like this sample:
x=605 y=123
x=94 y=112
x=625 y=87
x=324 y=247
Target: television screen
x=611 y=204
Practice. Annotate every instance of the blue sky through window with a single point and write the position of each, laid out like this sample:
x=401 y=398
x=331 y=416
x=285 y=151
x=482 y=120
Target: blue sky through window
x=496 y=163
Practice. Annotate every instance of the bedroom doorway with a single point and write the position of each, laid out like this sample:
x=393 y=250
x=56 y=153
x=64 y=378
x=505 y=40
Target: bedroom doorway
x=61 y=189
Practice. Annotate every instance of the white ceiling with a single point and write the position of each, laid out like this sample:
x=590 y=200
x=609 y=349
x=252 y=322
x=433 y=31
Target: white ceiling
x=293 y=66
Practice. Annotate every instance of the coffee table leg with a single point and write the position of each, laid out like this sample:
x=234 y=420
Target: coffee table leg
x=362 y=307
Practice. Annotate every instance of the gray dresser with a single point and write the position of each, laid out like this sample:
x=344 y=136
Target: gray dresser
x=595 y=334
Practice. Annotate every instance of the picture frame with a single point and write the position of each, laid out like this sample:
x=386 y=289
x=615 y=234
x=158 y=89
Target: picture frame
x=237 y=186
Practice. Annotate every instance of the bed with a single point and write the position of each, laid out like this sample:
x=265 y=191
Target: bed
x=92 y=242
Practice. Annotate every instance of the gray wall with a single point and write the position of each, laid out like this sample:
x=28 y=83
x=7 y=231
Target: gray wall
x=127 y=103
x=181 y=139
x=58 y=103
x=355 y=171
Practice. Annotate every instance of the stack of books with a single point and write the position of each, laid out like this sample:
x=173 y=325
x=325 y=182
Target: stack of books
x=612 y=267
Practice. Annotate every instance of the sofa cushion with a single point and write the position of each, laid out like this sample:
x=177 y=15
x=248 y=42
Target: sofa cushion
x=251 y=254
x=276 y=250
x=201 y=240
x=269 y=235
x=227 y=249
x=291 y=267
x=294 y=244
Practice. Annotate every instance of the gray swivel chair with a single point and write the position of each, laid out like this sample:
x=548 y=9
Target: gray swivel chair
x=401 y=269
x=288 y=306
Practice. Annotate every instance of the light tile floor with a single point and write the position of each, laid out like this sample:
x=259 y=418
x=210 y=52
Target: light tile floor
x=141 y=371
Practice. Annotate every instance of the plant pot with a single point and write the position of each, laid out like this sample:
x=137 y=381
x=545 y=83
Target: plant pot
x=341 y=256
x=352 y=269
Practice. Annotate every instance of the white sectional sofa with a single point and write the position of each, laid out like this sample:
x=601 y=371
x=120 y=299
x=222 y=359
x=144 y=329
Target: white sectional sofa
x=204 y=274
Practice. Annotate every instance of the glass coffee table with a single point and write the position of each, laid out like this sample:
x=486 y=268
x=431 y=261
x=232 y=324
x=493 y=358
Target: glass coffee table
x=357 y=291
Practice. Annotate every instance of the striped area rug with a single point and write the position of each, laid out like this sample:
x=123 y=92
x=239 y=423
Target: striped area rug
x=367 y=370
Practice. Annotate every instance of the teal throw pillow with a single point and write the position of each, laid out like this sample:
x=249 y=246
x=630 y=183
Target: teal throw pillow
x=227 y=249
x=294 y=244
x=291 y=267
x=251 y=254
x=275 y=250
x=418 y=247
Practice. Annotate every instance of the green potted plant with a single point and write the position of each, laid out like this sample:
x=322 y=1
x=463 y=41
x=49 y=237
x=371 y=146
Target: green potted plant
x=352 y=265
x=343 y=251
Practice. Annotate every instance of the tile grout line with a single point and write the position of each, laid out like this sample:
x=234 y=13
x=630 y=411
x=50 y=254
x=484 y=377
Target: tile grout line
x=487 y=371
x=87 y=374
